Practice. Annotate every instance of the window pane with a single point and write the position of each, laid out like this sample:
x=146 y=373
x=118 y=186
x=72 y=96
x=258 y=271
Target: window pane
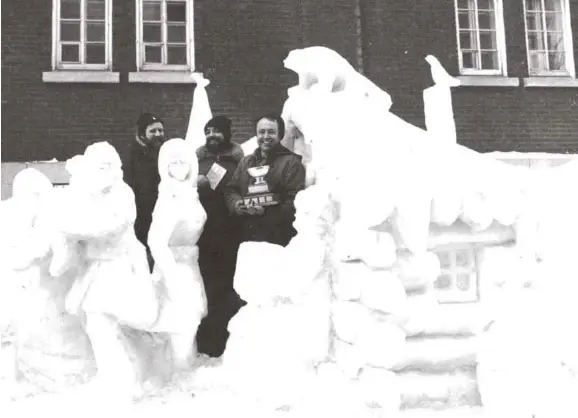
x=467 y=20
x=70 y=31
x=152 y=33
x=538 y=61
x=486 y=4
x=95 y=54
x=534 y=21
x=177 y=55
x=69 y=53
x=486 y=20
x=554 y=22
x=555 y=42
x=445 y=261
x=490 y=60
x=462 y=259
x=444 y=282
x=465 y=4
x=153 y=54
x=557 y=61
x=95 y=32
x=536 y=41
x=533 y=5
x=151 y=11
x=177 y=33
x=176 y=11
x=553 y=5
x=488 y=40
x=468 y=40
x=95 y=10
x=463 y=281
x=70 y=9
x=469 y=60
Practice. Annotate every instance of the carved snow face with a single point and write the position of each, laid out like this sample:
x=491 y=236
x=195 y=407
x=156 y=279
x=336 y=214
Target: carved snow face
x=178 y=162
x=100 y=167
x=179 y=169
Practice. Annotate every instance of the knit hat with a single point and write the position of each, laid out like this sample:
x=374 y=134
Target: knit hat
x=222 y=124
x=145 y=120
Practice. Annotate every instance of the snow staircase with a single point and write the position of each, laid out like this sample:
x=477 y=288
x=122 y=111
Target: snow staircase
x=437 y=376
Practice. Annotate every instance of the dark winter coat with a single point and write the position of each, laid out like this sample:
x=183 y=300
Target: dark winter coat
x=141 y=173
x=286 y=177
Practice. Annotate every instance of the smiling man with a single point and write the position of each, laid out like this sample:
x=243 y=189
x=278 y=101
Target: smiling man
x=219 y=243
x=263 y=188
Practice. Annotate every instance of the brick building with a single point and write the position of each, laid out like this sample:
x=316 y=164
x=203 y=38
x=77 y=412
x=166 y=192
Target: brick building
x=78 y=71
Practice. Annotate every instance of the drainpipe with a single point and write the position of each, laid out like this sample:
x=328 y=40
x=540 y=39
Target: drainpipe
x=359 y=36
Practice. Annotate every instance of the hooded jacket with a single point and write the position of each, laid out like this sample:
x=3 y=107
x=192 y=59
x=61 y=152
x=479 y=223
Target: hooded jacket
x=286 y=177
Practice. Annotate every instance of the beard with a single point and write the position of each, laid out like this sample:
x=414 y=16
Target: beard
x=216 y=146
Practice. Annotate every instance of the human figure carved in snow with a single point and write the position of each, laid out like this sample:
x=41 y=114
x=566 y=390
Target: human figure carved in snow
x=178 y=221
x=95 y=218
x=25 y=249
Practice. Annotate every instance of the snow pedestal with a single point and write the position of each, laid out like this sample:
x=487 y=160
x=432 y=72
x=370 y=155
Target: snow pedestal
x=282 y=333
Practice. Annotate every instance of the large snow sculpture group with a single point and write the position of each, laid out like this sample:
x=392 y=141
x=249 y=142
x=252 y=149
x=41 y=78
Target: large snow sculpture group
x=333 y=308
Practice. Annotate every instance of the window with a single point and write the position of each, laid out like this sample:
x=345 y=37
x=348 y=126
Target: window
x=548 y=38
x=165 y=35
x=481 y=38
x=458 y=279
x=82 y=35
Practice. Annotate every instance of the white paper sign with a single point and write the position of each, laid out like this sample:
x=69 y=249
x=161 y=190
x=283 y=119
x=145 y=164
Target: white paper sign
x=215 y=175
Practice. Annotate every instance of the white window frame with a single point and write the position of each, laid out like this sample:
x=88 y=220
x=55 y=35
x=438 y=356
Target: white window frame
x=500 y=39
x=56 y=44
x=568 y=46
x=453 y=294
x=140 y=55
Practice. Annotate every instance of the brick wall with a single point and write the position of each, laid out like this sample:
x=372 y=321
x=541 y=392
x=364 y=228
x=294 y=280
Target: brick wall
x=399 y=34
x=240 y=46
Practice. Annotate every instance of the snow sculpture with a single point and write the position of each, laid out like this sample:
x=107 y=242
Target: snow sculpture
x=178 y=221
x=200 y=112
x=95 y=215
x=25 y=249
x=439 y=114
x=288 y=298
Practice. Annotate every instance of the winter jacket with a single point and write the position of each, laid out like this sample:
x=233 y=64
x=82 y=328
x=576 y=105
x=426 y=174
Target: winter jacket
x=142 y=175
x=286 y=177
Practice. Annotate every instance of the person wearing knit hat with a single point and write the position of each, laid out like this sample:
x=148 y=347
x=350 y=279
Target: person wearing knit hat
x=141 y=172
x=219 y=243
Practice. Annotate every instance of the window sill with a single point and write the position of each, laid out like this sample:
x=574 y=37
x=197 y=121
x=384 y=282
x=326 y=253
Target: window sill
x=80 y=77
x=550 y=82
x=167 y=77
x=488 y=81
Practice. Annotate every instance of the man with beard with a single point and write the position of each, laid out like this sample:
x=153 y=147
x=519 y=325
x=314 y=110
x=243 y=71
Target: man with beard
x=219 y=243
x=142 y=175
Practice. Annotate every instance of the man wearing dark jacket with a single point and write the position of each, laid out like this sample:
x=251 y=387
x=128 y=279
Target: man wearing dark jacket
x=219 y=243
x=285 y=178
x=141 y=173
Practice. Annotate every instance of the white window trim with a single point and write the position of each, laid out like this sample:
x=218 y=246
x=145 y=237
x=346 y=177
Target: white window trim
x=500 y=39
x=189 y=68
x=57 y=66
x=568 y=49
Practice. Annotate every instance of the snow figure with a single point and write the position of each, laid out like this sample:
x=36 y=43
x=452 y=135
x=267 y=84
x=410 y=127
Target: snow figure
x=200 y=112
x=95 y=217
x=439 y=114
x=25 y=249
x=178 y=221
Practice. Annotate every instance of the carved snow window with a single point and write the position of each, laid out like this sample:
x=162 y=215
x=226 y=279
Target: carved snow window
x=481 y=37
x=549 y=38
x=458 y=280
x=82 y=35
